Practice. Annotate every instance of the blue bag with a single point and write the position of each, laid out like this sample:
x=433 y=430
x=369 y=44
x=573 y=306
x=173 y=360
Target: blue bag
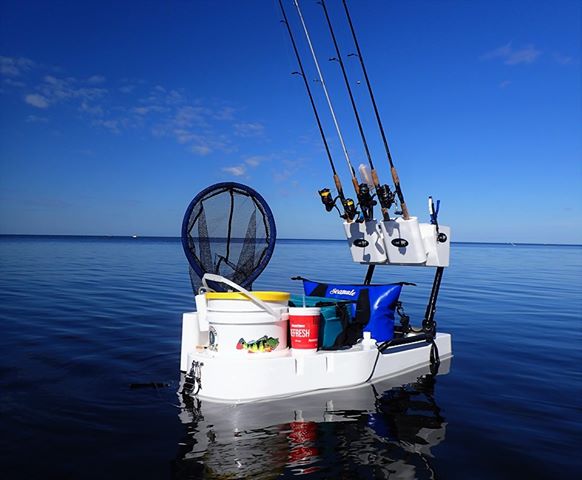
x=373 y=310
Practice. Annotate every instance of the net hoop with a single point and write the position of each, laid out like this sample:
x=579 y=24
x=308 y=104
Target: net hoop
x=262 y=204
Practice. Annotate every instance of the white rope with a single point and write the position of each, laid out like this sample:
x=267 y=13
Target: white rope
x=220 y=279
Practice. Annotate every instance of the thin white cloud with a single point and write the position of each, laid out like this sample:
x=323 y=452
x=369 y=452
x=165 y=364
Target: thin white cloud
x=282 y=175
x=201 y=150
x=63 y=89
x=14 y=83
x=249 y=129
x=111 y=125
x=563 y=59
x=142 y=110
x=36 y=100
x=145 y=110
x=505 y=84
x=237 y=170
x=96 y=79
x=14 y=66
x=513 y=56
x=127 y=88
x=193 y=124
x=9 y=69
x=96 y=110
x=36 y=119
x=255 y=160
x=184 y=136
x=290 y=168
x=202 y=126
x=189 y=116
x=224 y=113
x=528 y=54
x=208 y=142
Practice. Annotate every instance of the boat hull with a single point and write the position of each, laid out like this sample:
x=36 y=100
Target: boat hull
x=252 y=377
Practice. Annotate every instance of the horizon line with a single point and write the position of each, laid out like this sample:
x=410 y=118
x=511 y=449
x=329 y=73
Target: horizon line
x=137 y=237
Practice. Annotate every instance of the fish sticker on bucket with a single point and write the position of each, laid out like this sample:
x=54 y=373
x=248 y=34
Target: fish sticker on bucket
x=212 y=339
x=263 y=344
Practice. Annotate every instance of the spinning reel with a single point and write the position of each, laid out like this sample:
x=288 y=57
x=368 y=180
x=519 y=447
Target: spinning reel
x=329 y=203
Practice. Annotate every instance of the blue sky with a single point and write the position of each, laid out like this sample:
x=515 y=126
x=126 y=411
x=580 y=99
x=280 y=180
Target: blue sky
x=115 y=114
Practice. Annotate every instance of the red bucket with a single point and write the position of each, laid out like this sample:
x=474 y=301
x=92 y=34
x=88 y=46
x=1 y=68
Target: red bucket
x=304 y=328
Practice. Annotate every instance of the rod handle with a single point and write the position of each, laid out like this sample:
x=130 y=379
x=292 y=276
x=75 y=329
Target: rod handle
x=356 y=185
x=405 y=213
x=338 y=185
x=375 y=178
x=396 y=181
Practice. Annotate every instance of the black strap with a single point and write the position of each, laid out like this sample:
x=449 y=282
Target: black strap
x=319 y=291
x=435 y=360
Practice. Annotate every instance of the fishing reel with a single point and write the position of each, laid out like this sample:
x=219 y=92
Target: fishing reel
x=327 y=199
x=329 y=203
x=349 y=209
x=386 y=196
x=366 y=201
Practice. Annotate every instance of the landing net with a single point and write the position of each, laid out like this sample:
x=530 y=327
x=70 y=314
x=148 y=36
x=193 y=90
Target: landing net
x=229 y=230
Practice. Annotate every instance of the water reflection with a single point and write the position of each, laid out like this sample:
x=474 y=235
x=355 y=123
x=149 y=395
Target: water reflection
x=380 y=430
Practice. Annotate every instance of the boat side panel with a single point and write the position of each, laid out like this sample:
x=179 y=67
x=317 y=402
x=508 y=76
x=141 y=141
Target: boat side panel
x=238 y=379
x=408 y=357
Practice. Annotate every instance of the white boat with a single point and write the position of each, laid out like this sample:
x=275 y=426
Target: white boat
x=219 y=370
x=244 y=346
x=239 y=379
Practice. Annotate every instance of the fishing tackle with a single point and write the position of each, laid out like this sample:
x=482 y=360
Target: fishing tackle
x=327 y=199
x=386 y=196
x=363 y=198
x=329 y=104
x=393 y=172
x=348 y=215
x=350 y=209
x=329 y=203
x=366 y=201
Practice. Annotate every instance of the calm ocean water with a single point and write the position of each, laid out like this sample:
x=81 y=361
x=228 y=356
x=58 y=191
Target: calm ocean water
x=83 y=318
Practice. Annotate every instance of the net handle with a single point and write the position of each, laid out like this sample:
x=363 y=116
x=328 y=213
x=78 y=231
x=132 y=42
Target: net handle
x=220 y=279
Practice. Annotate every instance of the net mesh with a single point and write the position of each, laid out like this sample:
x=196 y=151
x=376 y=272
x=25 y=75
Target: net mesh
x=228 y=230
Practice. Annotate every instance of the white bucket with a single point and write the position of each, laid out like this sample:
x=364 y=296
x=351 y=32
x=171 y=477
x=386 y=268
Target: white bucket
x=242 y=323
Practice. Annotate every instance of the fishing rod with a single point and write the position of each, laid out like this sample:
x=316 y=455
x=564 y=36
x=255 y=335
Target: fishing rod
x=321 y=80
x=385 y=196
x=325 y=194
x=393 y=172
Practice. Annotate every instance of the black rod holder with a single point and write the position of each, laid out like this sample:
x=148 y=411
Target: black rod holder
x=369 y=274
x=428 y=324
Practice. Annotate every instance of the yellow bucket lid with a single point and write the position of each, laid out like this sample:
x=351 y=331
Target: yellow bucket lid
x=265 y=296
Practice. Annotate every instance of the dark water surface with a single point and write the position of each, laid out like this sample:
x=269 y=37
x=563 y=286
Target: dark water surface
x=83 y=318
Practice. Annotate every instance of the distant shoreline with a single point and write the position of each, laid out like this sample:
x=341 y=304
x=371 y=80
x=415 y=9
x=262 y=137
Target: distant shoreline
x=284 y=240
